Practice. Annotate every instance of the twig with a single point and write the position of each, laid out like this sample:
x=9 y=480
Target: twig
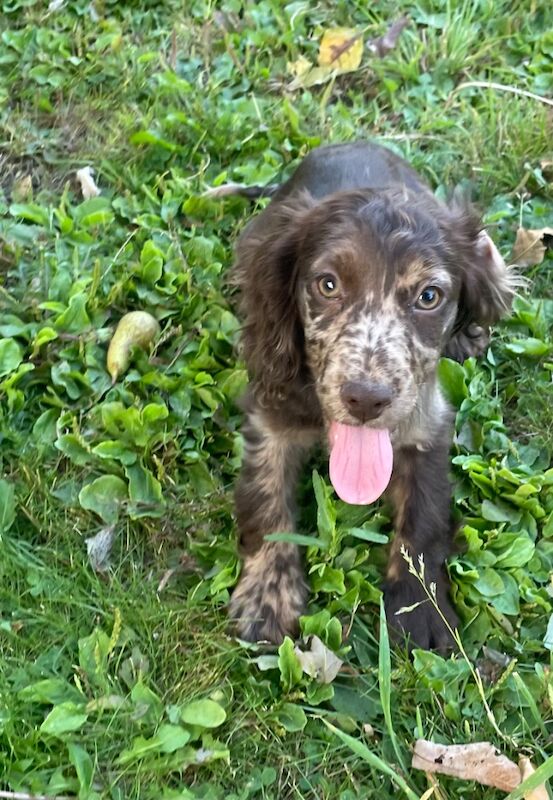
x=501 y=87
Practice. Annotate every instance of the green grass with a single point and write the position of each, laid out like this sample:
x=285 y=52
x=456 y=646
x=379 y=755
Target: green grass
x=98 y=671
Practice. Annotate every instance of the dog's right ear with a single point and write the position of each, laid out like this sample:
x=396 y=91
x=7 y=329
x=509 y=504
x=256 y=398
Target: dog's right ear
x=266 y=272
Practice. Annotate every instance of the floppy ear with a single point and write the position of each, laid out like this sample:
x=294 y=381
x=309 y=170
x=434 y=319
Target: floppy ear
x=266 y=274
x=487 y=285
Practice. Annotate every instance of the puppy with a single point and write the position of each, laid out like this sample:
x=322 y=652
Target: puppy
x=353 y=282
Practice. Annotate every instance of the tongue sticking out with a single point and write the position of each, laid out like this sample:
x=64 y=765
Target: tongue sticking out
x=360 y=462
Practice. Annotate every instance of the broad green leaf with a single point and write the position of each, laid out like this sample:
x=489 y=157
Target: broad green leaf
x=45 y=428
x=64 y=718
x=75 y=318
x=288 y=664
x=74 y=448
x=115 y=449
x=31 y=212
x=167 y=739
x=104 y=496
x=144 y=492
x=148 y=706
x=453 y=381
x=513 y=550
x=329 y=579
x=93 y=212
x=489 y=582
x=151 y=261
x=291 y=717
x=53 y=691
x=203 y=713
x=500 y=512
x=11 y=356
x=530 y=347
x=84 y=766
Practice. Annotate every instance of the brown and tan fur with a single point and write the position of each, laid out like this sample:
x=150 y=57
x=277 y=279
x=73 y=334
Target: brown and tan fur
x=359 y=216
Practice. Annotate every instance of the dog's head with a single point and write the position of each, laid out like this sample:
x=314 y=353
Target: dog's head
x=361 y=293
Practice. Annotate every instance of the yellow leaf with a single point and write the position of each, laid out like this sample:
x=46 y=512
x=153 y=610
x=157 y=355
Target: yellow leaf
x=299 y=67
x=341 y=49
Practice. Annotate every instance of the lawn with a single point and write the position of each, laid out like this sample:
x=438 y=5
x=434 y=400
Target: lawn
x=119 y=677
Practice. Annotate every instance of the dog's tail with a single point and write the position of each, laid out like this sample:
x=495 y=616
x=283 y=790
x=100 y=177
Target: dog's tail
x=238 y=189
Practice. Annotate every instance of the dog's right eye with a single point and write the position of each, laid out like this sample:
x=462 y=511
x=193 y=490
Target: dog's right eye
x=328 y=286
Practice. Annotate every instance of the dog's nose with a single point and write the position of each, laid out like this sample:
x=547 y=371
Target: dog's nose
x=365 y=400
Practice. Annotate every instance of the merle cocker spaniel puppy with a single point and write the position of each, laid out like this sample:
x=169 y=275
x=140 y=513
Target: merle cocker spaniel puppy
x=354 y=281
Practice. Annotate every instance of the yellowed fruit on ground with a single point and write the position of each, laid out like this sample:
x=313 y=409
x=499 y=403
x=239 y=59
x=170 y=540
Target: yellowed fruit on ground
x=135 y=329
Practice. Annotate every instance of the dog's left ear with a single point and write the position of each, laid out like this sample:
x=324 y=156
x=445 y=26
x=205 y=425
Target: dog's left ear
x=487 y=286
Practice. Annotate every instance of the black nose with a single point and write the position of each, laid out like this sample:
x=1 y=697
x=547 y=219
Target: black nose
x=365 y=400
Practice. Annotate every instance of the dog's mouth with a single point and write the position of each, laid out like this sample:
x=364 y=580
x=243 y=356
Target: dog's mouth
x=361 y=461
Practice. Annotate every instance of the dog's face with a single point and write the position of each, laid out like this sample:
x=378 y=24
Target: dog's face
x=360 y=294
x=376 y=310
x=378 y=299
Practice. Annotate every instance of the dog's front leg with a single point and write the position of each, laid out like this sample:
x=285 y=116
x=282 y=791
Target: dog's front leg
x=272 y=590
x=421 y=493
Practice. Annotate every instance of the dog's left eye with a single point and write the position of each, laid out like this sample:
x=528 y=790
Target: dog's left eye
x=328 y=286
x=429 y=299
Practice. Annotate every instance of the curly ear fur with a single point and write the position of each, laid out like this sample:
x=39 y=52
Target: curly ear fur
x=488 y=285
x=266 y=274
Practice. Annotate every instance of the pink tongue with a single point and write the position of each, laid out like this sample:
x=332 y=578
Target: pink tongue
x=360 y=462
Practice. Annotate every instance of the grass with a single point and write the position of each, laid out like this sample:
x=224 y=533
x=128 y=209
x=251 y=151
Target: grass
x=100 y=673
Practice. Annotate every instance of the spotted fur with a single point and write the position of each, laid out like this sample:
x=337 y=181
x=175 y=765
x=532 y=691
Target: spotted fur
x=358 y=216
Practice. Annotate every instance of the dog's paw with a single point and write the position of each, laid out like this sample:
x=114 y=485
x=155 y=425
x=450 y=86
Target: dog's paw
x=270 y=596
x=422 y=626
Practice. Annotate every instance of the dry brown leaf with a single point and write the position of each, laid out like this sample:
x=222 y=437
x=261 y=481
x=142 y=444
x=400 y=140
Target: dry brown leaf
x=319 y=662
x=479 y=761
x=381 y=46
x=529 y=247
x=526 y=769
x=99 y=548
x=22 y=189
x=341 y=49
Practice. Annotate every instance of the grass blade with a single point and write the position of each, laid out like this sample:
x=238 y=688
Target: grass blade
x=385 y=683
x=375 y=761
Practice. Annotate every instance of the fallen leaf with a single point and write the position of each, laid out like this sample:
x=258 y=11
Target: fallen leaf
x=299 y=67
x=312 y=77
x=22 y=189
x=135 y=329
x=88 y=185
x=99 y=548
x=479 y=761
x=526 y=769
x=319 y=662
x=341 y=49
x=529 y=247
x=381 y=46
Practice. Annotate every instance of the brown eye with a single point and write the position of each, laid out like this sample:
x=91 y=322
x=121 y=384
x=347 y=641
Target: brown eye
x=328 y=286
x=429 y=299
